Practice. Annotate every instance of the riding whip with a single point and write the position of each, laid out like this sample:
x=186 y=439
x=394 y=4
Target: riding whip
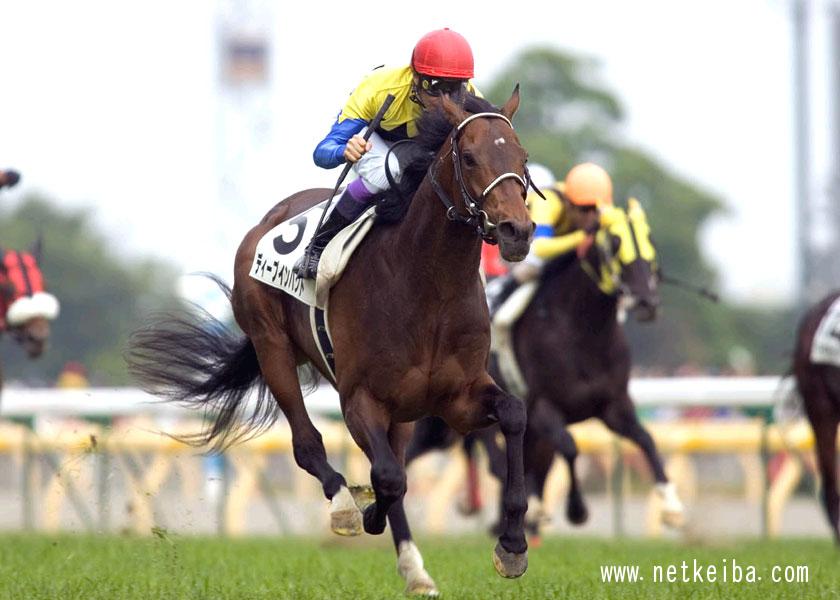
x=701 y=291
x=370 y=129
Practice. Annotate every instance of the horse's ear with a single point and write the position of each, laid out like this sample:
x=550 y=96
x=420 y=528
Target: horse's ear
x=454 y=111
x=37 y=246
x=512 y=105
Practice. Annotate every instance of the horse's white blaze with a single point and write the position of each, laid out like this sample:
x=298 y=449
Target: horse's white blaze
x=410 y=567
x=499 y=141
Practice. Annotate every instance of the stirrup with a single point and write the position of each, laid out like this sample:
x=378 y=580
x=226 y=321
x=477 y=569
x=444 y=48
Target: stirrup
x=307 y=269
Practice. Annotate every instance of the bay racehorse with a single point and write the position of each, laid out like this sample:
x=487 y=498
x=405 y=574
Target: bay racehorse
x=26 y=308
x=816 y=367
x=409 y=322
x=575 y=361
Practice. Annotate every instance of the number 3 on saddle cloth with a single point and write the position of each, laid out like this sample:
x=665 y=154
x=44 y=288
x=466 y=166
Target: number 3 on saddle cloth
x=279 y=250
x=825 y=349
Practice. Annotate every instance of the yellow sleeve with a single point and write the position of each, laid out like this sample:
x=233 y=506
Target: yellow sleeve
x=549 y=247
x=545 y=212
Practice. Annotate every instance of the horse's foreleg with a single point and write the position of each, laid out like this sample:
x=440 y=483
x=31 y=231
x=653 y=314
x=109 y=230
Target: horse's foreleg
x=511 y=555
x=546 y=423
x=370 y=425
x=409 y=561
x=430 y=433
x=620 y=417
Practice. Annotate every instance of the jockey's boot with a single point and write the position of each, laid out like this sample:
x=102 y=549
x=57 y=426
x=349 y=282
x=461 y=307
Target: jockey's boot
x=500 y=290
x=329 y=228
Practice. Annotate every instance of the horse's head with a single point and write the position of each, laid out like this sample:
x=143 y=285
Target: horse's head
x=628 y=267
x=27 y=308
x=487 y=173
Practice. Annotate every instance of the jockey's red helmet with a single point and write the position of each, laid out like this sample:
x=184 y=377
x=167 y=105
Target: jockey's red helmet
x=443 y=53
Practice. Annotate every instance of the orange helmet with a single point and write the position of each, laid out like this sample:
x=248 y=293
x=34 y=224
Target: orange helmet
x=443 y=53
x=587 y=184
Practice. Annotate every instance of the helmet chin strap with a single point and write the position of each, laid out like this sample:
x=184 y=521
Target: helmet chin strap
x=414 y=96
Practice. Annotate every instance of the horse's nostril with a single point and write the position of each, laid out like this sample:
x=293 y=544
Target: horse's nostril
x=506 y=229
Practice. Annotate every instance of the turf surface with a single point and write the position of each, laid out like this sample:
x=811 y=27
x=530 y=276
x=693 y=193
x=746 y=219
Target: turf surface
x=171 y=566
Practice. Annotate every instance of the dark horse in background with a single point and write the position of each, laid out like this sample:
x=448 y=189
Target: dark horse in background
x=819 y=385
x=410 y=328
x=26 y=308
x=575 y=360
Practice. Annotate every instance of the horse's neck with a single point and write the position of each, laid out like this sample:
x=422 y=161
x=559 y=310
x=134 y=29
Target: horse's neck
x=448 y=250
x=575 y=291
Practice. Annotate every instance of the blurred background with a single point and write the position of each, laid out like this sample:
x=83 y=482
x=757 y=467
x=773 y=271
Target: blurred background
x=151 y=136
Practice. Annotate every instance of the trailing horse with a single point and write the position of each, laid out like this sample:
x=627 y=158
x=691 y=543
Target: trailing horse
x=572 y=360
x=409 y=325
x=816 y=367
x=26 y=308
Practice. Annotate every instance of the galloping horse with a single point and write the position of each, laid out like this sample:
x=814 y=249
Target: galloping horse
x=25 y=307
x=410 y=328
x=575 y=360
x=816 y=366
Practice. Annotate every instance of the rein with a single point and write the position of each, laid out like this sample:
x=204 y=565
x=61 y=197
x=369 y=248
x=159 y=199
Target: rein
x=476 y=217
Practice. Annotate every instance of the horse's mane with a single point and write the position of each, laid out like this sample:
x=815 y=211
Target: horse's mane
x=416 y=155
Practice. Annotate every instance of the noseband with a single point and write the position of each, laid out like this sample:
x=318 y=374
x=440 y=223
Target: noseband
x=476 y=216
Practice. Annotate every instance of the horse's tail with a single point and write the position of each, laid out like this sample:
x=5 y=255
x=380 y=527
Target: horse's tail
x=193 y=359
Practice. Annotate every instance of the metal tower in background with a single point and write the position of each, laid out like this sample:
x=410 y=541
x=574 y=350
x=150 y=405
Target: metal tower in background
x=817 y=180
x=244 y=124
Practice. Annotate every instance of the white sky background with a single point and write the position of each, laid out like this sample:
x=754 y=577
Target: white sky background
x=113 y=105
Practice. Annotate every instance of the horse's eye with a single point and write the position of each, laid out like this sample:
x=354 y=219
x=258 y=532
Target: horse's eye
x=469 y=159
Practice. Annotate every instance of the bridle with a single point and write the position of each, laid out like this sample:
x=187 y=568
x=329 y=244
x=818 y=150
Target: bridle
x=476 y=217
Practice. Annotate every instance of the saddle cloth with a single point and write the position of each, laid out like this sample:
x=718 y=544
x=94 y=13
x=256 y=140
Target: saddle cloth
x=501 y=337
x=825 y=349
x=279 y=250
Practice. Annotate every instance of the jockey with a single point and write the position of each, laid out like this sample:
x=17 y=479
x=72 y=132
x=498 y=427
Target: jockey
x=9 y=178
x=441 y=63
x=567 y=220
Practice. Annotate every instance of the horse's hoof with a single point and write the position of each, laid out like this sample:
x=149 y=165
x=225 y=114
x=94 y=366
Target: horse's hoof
x=673 y=514
x=673 y=518
x=345 y=516
x=410 y=567
x=371 y=525
x=424 y=587
x=363 y=495
x=508 y=564
x=577 y=514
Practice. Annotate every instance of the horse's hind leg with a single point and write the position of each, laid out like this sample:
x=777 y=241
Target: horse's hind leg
x=279 y=369
x=409 y=561
x=511 y=553
x=620 y=416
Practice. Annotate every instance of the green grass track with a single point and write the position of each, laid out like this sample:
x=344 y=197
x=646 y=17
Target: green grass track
x=174 y=567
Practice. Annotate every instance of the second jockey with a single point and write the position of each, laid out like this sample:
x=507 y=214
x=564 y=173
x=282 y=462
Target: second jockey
x=566 y=220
